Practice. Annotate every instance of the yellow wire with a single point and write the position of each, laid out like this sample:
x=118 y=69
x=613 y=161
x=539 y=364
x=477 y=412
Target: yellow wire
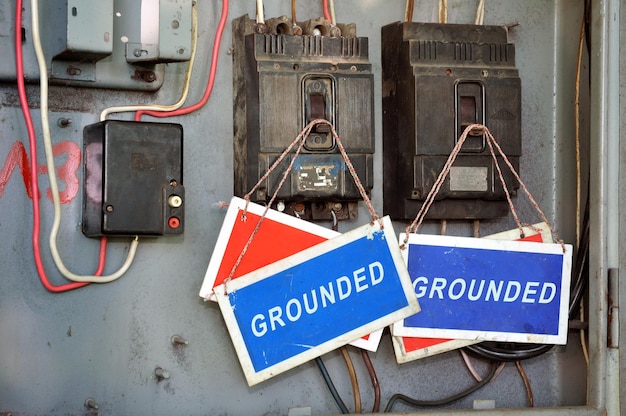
x=408 y=11
x=443 y=11
x=186 y=83
x=353 y=379
x=578 y=173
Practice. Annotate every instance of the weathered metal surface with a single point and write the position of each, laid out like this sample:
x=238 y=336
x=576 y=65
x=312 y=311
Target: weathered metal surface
x=121 y=332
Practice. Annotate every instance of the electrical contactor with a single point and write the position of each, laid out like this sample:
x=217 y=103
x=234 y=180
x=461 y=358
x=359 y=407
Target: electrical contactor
x=285 y=75
x=437 y=80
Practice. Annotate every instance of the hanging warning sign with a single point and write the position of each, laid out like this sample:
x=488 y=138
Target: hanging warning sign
x=285 y=234
x=408 y=349
x=483 y=289
x=308 y=304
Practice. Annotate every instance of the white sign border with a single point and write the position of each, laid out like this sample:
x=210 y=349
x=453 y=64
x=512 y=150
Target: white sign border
x=254 y=377
x=236 y=204
x=402 y=356
x=399 y=329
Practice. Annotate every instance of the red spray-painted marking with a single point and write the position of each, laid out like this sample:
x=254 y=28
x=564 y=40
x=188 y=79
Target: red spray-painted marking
x=17 y=157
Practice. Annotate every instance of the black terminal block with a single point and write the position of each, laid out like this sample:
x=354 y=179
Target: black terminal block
x=133 y=179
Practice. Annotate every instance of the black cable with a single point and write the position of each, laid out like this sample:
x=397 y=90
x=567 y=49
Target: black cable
x=502 y=351
x=331 y=386
x=581 y=269
x=431 y=403
x=508 y=352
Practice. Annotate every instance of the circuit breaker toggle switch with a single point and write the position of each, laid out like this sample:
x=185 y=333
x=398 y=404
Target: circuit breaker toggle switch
x=318 y=103
x=469 y=109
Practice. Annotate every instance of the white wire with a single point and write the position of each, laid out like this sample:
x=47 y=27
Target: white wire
x=480 y=13
x=260 y=19
x=54 y=189
x=331 y=6
x=187 y=81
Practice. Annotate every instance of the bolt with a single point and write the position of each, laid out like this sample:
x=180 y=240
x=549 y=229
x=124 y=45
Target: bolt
x=280 y=206
x=175 y=24
x=148 y=76
x=173 y=183
x=337 y=206
x=73 y=71
x=137 y=53
x=109 y=208
x=90 y=403
x=299 y=208
x=161 y=374
x=335 y=32
x=261 y=28
x=64 y=122
x=178 y=340
x=181 y=51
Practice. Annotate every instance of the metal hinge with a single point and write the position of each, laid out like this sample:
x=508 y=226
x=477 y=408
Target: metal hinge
x=613 y=306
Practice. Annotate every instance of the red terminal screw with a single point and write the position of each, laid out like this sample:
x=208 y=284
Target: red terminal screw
x=173 y=222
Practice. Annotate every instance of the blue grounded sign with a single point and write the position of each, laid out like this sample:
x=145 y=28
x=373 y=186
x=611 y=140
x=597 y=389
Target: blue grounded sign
x=299 y=308
x=488 y=289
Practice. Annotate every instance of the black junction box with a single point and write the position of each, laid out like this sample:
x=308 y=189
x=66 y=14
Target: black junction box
x=133 y=179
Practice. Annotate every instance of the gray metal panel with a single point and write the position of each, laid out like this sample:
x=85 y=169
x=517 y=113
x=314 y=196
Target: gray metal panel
x=121 y=331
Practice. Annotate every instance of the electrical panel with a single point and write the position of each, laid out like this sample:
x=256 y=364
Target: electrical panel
x=83 y=32
x=283 y=80
x=133 y=179
x=163 y=32
x=119 y=44
x=437 y=80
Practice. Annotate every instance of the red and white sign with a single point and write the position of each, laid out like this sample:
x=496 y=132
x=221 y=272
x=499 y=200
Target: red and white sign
x=413 y=348
x=279 y=236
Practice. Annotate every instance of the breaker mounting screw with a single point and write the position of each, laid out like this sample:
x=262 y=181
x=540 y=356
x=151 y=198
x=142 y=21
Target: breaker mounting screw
x=64 y=122
x=109 y=208
x=178 y=340
x=90 y=403
x=161 y=374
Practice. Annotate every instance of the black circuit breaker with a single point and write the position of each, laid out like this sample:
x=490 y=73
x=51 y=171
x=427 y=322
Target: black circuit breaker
x=281 y=82
x=133 y=179
x=437 y=80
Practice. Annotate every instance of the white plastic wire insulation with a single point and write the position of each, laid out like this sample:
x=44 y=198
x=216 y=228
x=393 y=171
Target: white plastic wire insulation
x=54 y=189
x=185 y=92
x=480 y=13
x=333 y=17
x=260 y=19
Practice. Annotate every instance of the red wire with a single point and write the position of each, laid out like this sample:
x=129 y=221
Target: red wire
x=21 y=88
x=102 y=257
x=325 y=9
x=212 y=72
